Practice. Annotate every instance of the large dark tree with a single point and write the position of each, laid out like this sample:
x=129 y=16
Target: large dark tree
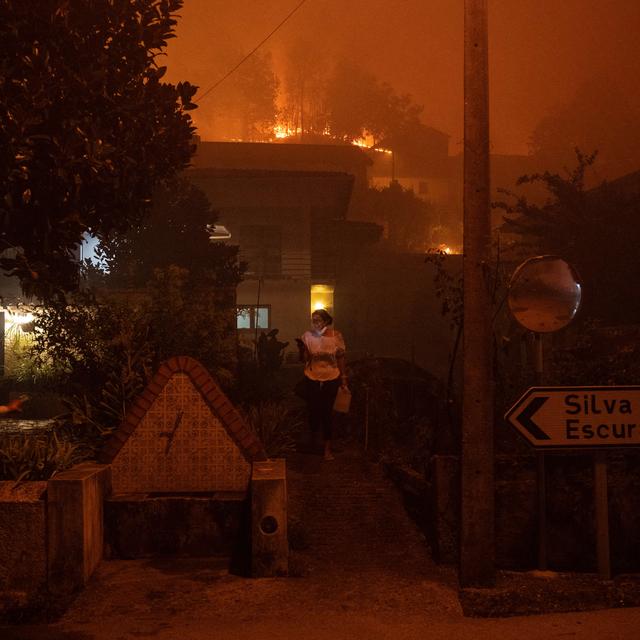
x=176 y=232
x=255 y=89
x=594 y=230
x=406 y=219
x=87 y=127
x=358 y=103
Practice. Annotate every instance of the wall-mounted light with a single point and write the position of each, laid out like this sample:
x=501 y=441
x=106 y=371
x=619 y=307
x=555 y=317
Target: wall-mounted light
x=18 y=320
x=218 y=232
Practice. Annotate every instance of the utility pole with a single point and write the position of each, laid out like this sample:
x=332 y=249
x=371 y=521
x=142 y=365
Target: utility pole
x=477 y=537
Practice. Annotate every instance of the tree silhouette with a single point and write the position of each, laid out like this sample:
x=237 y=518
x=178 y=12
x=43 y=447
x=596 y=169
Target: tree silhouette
x=594 y=230
x=87 y=127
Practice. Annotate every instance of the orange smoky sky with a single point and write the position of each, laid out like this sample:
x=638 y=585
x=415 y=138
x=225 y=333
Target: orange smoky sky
x=541 y=50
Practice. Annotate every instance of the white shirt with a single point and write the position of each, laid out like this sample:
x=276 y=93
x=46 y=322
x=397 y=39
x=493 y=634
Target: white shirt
x=324 y=351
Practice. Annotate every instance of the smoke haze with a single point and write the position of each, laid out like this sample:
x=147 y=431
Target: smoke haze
x=542 y=52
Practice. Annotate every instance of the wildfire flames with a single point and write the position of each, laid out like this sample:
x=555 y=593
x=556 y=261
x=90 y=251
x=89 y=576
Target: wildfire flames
x=367 y=142
x=282 y=131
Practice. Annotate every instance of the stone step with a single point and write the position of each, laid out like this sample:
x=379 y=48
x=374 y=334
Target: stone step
x=353 y=515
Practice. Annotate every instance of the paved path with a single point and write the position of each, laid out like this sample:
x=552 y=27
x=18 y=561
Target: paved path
x=364 y=570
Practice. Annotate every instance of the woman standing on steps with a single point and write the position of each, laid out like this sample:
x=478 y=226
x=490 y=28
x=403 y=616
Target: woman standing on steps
x=322 y=349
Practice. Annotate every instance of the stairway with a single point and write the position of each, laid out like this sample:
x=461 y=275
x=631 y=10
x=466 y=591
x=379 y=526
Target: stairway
x=350 y=516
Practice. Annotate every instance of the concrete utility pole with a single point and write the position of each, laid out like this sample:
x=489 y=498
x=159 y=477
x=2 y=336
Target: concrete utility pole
x=477 y=542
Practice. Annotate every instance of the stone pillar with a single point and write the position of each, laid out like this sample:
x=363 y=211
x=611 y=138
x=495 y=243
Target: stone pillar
x=270 y=546
x=23 y=550
x=75 y=520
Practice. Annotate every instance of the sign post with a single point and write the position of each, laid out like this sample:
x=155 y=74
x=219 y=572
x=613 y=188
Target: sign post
x=590 y=418
x=602 y=514
x=544 y=296
x=541 y=468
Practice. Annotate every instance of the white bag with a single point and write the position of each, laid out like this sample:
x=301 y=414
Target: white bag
x=343 y=400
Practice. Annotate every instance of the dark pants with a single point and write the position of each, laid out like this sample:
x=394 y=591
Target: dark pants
x=320 y=398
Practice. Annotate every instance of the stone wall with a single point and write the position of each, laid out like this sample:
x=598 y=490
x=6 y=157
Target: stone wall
x=23 y=544
x=51 y=538
x=144 y=526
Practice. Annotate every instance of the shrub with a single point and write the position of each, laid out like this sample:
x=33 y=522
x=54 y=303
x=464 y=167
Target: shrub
x=37 y=457
x=276 y=425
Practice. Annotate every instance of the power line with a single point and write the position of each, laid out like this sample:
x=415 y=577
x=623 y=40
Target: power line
x=219 y=82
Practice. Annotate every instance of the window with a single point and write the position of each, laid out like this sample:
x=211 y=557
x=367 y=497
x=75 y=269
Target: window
x=250 y=316
x=322 y=297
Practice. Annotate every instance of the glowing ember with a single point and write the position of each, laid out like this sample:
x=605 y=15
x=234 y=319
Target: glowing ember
x=367 y=142
x=281 y=131
x=444 y=248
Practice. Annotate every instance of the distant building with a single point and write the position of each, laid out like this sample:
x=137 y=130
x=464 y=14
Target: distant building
x=259 y=156
x=293 y=211
x=286 y=207
x=425 y=169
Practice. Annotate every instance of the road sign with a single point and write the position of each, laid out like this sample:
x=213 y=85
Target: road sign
x=578 y=417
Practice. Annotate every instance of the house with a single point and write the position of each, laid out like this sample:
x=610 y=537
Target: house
x=286 y=206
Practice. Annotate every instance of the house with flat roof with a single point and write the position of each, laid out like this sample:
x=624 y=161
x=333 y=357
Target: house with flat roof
x=287 y=207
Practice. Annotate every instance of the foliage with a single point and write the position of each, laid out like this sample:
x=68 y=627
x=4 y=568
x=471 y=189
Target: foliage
x=174 y=233
x=276 y=426
x=405 y=216
x=449 y=288
x=593 y=230
x=596 y=356
x=103 y=356
x=564 y=212
x=167 y=291
x=192 y=315
x=106 y=347
x=358 y=103
x=304 y=89
x=448 y=285
x=350 y=111
x=346 y=102
x=256 y=88
x=87 y=127
x=415 y=448
x=255 y=385
x=397 y=405
x=36 y=457
x=244 y=106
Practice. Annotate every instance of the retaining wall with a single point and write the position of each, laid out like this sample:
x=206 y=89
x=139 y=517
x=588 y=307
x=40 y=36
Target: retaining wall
x=51 y=537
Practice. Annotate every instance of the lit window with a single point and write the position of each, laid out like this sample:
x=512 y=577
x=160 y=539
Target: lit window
x=253 y=317
x=244 y=318
x=321 y=297
x=262 y=317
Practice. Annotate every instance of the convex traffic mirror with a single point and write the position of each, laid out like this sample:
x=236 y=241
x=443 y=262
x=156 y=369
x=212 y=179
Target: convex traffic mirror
x=544 y=294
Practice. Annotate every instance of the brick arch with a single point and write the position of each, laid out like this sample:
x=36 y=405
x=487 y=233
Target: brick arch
x=231 y=419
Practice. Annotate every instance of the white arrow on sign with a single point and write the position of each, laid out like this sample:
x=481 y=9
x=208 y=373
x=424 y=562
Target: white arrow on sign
x=564 y=417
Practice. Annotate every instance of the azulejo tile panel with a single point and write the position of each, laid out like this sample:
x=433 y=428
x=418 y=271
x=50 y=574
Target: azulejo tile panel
x=180 y=445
